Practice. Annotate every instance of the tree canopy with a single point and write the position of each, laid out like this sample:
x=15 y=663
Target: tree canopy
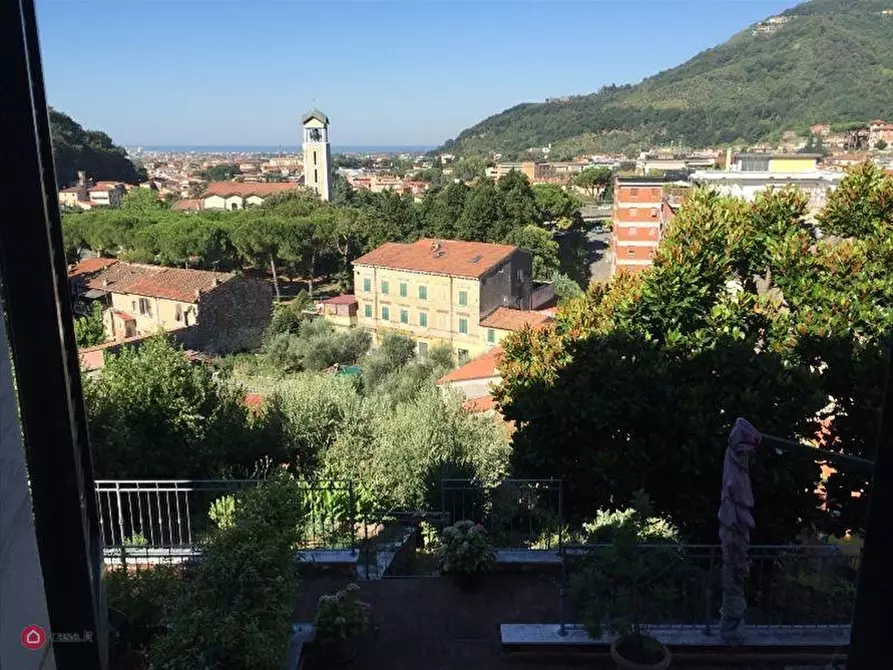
x=92 y=151
x=745 y=312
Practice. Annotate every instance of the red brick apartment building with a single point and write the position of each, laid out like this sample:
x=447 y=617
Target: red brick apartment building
x=643 y=207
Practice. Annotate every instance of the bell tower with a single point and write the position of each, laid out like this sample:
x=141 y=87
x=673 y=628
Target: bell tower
x=317 y=154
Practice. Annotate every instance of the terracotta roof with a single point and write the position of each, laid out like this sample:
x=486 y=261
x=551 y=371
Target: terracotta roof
x=156 y=282
x=91 y=265
x=244 y=189
x=440 y=257
x=504 y=318
x=176 y=283
x=187 y=205
x=105 y=186
x=482 y=367
x=344 y=299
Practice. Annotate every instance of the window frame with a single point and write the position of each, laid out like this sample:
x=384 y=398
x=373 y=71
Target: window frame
x=423 y=319
x=385 y=313
x=463 y=325
x=385 y=287
x=463 y=298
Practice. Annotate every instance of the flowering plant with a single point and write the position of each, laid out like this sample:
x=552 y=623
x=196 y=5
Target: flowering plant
x=465 y=548
x=340 y=616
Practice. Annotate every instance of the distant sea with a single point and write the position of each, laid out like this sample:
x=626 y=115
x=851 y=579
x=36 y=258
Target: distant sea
x=285 y=149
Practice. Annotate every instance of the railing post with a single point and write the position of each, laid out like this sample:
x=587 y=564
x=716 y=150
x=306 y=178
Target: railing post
x=120 y=514
x=562 y=581
x=560 y=514
x=353 y=520
x=709 y=592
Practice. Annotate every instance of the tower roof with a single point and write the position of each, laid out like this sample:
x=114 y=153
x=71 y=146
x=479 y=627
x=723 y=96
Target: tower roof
x=315 y=114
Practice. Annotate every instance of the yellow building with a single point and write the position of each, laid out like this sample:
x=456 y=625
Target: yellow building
x=438 y=292
x=223 y=311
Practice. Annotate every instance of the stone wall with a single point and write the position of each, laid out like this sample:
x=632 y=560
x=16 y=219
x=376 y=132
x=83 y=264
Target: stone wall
x=233 y=316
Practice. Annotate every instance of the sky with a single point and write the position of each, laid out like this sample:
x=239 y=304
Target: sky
x=413 y=72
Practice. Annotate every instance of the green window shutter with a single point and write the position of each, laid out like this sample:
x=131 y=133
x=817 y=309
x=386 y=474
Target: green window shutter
x=423 y=319
x=385 y=313
x=403 y=290
x=463 y=298
x=491 y=335
x=423 y=292
x=384 y=287
x=404 y=316
x=463 y=326
x=367 y=311
x=367 y=285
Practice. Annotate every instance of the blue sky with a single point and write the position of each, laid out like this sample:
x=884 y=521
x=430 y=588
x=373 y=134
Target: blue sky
x=243 y=71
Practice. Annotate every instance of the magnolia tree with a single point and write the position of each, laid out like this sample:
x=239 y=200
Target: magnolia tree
x=747 y=311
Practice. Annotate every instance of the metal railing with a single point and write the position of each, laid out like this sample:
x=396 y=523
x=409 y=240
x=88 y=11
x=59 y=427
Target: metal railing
x=143 y=515
x=792 y=585
x=517 y=513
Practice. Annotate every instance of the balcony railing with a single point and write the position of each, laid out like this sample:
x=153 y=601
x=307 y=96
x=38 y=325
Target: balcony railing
x=788 y=586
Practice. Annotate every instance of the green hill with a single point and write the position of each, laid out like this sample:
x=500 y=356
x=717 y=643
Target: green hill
x=826 y=61
x=91 y=150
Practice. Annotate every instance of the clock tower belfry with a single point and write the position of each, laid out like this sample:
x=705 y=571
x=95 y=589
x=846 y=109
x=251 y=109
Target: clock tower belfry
x=317 y=153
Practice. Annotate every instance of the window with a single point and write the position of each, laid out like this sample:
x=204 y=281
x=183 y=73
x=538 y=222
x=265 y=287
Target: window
x=463 y=355
x=145 y=307
x=463 y=298
x=385 y=287
x=423 y=292
x=463 y=326
x=314 y=158
x=491 y=335
x=520 y=275
x=630 y=252
x=404 y=316
x=315 y=176
x=178 y=313
x=367 y=285
x=367 y=311
x=133 y=309
x=654 y=212
x=423 y=319
x=403 y=289
x=385 y=313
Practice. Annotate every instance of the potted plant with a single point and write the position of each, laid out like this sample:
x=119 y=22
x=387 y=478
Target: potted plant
x=340 y=617
x=622 y=584
x=465 y=552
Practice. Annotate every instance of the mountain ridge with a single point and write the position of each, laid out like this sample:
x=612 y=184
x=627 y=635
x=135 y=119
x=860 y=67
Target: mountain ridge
x=824 y=61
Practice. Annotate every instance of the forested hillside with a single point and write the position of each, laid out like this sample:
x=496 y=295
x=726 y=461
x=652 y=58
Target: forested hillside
x=826 y=61
x=91 y=150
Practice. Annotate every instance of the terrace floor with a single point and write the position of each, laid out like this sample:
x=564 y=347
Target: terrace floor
x=427 y=623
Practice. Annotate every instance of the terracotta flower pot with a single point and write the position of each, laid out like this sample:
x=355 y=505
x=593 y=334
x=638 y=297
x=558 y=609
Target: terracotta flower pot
x=623 y=663
x=339 y=651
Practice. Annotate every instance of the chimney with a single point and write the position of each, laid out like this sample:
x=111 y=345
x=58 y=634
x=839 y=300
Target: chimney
x=82 y=179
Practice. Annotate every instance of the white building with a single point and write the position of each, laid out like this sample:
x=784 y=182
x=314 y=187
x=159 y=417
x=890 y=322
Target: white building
x=816 y=184
x=238 y=195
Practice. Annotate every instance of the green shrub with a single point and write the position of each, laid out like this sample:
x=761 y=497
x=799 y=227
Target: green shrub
x=624 y=585
x=236 y=606
x=145 y=598
x=340 y=616
x=465 y=548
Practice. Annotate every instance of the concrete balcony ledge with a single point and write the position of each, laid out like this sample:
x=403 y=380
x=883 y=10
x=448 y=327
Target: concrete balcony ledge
x=517 y=557
x=815 y=644
x=301 y=634
x=328 y=557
